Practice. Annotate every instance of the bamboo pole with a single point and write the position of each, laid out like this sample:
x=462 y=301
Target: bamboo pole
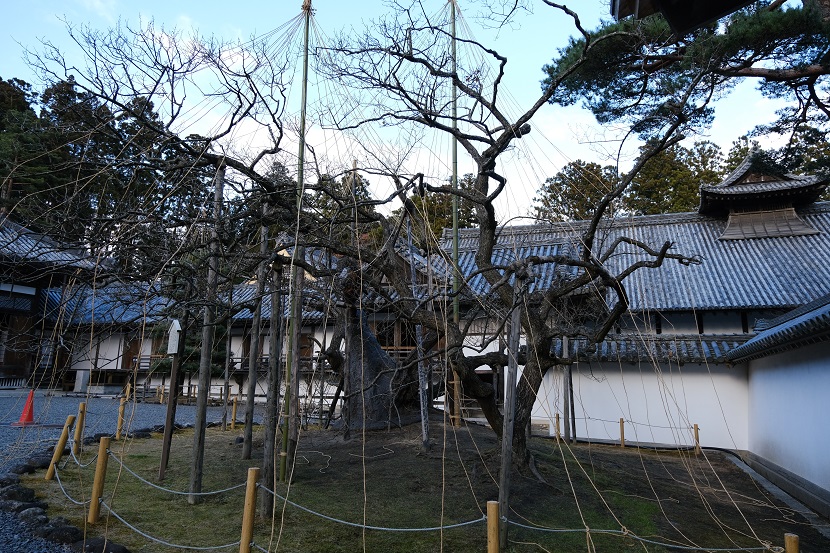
x=233 y=412
x=622 y=432
x=120 y=424
x=79 y=428
x=249 y=512
x=98 y=483
x=58 y=453
x=791 y=543
x=492 y=527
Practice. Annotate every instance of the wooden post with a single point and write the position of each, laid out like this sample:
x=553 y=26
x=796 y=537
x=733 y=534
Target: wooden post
x=233 y=412
x=79 y=428
x=249 y=512
x=120 y=425
x=697 y=439
x=558 y=431
x=622 y=432
x=58 y=453
x=791 y=543
x=493 y=527
x=129 y=390
x=456 y=399
x=98 y=483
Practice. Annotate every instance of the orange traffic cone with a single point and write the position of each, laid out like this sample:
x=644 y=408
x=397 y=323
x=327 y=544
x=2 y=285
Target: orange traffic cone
x=27 y=416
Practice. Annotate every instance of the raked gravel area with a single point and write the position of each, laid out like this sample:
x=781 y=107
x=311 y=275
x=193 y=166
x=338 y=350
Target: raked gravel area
x=50 y=412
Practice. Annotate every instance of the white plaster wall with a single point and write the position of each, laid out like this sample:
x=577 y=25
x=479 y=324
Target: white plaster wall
x=789 y=410
x=108 y=351
x=659 y=405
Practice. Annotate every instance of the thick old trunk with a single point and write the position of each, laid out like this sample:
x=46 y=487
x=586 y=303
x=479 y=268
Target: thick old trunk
x=370 y=400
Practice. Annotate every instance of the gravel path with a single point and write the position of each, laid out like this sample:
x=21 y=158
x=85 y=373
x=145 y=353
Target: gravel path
x=50 y=412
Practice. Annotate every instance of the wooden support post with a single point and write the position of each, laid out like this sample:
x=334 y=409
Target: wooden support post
x=492 y=527
x=233 y=412
x=98 y=483
x=129 y=390
x=558 y=429
x=697 y=439
x=622 y=432
x=456 y=398
x=120 y=425
x=58 y=453
x=79 y=428
x=249 y=512
x=791 y=543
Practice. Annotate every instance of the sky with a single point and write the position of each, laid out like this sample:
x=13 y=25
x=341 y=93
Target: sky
x=559 y=134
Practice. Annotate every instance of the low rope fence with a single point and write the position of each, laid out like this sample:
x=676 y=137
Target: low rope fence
x=628 y=534
x=496 y=524
x=163 y=542
x=483 y=518
x=169 y=490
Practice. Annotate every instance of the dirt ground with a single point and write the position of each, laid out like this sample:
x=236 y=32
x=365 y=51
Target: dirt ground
x=673 y=497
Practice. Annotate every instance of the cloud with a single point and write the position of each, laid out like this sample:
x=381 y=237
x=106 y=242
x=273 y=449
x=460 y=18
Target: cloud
x=105 y=9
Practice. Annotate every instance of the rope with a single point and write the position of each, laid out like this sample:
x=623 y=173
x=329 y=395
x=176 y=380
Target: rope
x=168 y=490
x=166 y=543
x=69 y=497
x=368 y=527
x=628 y=534
x=78 y=461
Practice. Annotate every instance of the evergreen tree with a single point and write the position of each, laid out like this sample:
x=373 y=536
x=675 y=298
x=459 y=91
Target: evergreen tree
x=574 y=192
x=670 y=181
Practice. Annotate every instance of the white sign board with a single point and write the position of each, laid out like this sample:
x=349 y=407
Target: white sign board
x=173 y=338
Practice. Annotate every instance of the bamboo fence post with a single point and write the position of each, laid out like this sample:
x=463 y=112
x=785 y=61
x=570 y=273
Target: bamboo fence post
x=622 y=432
x=791 y=543
x=120 y=425
x=233 y=412
x=79 y=428
x=58 y=453
x=492 y=527
x=249 y=511
x=697 y=439
x=98 y=483
x=129 y=390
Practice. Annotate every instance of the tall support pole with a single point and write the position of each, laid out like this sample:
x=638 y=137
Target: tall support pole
x=226 y=385
x=509 y=413
x=456 y=286
x=208 y=327
x=256 y=345
x=269 y=464
x=423 y=384
x=295 y=287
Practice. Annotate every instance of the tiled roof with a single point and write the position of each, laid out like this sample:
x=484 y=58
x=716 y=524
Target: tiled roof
x=762 y=273
x=633 y=348
x=244 y=296
x=807 y=324
x=759 y=182
x=20 y=245
x=111 y=304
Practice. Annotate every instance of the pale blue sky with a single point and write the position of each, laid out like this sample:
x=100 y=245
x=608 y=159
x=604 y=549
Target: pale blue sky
x=560 y=134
